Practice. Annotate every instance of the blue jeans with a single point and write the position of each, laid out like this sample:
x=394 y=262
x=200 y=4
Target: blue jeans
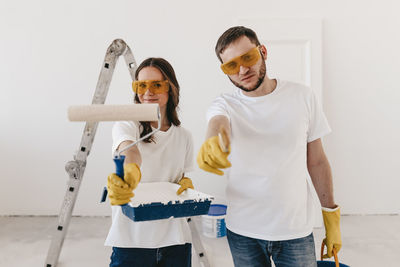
x=251 y=252
x=171 y=256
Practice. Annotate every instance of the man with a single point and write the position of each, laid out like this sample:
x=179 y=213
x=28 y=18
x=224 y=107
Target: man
x=276 y=159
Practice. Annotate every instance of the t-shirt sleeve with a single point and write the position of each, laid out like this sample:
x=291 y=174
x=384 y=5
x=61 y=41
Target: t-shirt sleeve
x=318 y=124
x=217 y=107
x=189 y=158
x=124 y=131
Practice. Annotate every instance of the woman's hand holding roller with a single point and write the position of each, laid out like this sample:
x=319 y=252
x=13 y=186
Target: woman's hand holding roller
x=120 y=191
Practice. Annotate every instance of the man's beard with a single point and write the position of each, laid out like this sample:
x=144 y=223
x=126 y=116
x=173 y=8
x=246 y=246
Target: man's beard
x=261 y=76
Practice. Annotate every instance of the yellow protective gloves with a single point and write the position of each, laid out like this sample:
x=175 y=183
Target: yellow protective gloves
x=185 y=183
x=332 y=230
x=120 y=191
x=211 y=158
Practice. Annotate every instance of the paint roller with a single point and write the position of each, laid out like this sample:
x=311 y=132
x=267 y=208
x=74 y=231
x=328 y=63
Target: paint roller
x=140 y=112
x=130 y=112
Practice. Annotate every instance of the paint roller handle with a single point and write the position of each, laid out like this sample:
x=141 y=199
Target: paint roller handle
x=334 y=254
x=223 y=138
x=119 y=170
x=119 y=165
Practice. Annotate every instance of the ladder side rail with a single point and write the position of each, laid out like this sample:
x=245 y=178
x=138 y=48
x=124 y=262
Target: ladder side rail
x=197 y=244
x=76 y=168
x=130 y=62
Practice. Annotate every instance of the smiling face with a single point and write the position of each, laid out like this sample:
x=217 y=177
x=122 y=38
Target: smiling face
x=248 y=78
x=152 y=73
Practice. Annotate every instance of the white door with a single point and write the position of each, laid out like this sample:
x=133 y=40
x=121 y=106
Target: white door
x=294 y=49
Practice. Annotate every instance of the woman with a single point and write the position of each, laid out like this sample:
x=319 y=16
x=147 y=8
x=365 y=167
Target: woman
x=162 y=157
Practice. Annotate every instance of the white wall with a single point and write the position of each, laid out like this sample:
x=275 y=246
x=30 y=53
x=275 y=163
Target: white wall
x=51 y=53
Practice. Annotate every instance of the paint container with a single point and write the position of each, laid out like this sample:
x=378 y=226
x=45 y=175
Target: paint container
x=213 y=224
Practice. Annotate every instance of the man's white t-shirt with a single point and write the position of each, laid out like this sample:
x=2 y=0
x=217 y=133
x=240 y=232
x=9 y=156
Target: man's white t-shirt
x=270 y=193
x=165 y=161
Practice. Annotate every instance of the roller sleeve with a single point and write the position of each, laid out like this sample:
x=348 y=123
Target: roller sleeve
x=130 y=112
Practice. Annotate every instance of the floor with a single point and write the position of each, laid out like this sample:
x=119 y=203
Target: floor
x=24 y=241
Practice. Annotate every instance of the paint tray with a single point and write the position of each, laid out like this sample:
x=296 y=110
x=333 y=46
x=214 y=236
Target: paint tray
x=155 y=201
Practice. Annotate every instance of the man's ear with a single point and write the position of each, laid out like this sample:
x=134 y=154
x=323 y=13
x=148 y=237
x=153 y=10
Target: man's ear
x=264 y=53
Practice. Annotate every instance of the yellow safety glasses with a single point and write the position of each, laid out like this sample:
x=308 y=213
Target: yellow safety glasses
x=248 y=59
x=155 y=86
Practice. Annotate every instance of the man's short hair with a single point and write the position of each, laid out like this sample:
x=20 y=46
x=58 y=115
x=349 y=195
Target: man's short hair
x=231 y=35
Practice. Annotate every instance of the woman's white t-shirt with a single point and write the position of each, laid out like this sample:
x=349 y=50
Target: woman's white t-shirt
x=270 y=193
x=164 y=161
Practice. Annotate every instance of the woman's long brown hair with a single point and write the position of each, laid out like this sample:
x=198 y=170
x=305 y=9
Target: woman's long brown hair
x=173 y=94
